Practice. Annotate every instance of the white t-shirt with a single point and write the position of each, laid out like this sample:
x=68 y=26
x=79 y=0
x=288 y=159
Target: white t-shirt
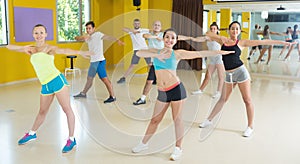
x=95 y=44
x=138 y=42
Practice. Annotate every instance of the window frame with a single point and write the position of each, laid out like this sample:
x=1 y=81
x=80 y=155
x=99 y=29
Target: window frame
x=5 y=22
x=80 y=20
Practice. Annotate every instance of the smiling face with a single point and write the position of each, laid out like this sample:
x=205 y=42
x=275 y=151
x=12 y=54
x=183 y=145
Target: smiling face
x=90 y=29
x=234 y=30
x=214 y=29
x=170 y=39
x=39 y=33
x=157 y=26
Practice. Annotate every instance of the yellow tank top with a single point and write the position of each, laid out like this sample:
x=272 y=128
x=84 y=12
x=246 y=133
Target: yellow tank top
x=44 y=67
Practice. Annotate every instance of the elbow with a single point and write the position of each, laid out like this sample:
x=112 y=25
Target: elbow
x=138 y=53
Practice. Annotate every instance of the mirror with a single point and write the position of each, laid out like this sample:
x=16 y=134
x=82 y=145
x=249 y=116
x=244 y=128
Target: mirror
x=279 y=18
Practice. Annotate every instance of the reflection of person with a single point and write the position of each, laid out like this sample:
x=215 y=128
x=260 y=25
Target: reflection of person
x=255 y=37
x=138 y=43
x=170 y=90
x=267 y=36
x=236 y=72
x=53 y=82
x=215 y=63
x=296 y=40
x=287 y=38
x=98 y=63
x=154 y=41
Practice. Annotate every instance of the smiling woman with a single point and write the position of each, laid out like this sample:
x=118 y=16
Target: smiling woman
x=53 y=82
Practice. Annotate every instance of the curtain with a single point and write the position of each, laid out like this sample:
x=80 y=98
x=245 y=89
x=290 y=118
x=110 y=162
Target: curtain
x=187 y=19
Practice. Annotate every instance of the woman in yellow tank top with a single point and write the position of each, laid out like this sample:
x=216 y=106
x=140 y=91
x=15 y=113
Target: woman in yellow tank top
x=53 y=82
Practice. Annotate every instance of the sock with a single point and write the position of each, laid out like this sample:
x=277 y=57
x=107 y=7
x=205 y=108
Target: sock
x=72 y=138
x=31 y=132
x=143 y=97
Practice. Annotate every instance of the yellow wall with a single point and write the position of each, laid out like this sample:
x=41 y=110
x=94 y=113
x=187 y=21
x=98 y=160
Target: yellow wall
x=109 y=16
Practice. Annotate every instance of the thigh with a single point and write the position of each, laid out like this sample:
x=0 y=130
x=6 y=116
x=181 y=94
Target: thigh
x=245 y=89
x=64 y=98
x=101 y=69
x=93 y=69
x=45 y=102
x=151 y=74
x=135 y=59
x=160 y=109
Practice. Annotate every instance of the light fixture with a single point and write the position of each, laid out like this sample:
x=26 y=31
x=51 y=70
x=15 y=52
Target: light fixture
x=264 y=14
x=280 y=8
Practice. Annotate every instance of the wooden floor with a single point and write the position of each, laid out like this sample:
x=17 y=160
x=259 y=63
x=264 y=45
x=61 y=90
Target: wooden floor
x=106 y=133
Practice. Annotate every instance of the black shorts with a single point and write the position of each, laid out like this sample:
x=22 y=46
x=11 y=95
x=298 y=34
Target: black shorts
x=151 y=74
x=175 y=94
x=259 y=47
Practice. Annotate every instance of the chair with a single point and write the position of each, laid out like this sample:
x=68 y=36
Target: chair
x=72 y=69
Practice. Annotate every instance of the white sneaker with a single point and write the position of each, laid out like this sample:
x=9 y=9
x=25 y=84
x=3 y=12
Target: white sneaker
x=216 y=95
x=140 y=147
x=248 y=132
x=197 y=92
x=177 y=153
x=204 y=124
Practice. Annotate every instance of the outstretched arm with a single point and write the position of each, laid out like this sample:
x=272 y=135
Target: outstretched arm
x=250 y=43
x=82 y=37
x=147 y=53
x=68 y=51
x=112 y=38
x=29 y=49
x=128 y=30
x=215 y=37
x=184 y=54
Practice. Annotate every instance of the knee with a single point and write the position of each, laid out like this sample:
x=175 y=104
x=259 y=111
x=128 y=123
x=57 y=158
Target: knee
x=155 y=121
x=247 y=101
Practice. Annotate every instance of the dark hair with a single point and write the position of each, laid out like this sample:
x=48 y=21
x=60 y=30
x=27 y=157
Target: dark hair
x=215 y=24
x=256 y=26
x=287 y=30
x=90 y=23
x=234 y=23
x=170 y=29
x=265 y=32
x=40 y=25
x=136 y=20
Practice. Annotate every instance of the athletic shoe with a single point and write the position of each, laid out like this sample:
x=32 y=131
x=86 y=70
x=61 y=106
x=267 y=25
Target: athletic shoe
x=140 y=147
x=69 y=146
x=110 y=99
x=205 y=124
x=216 y=95
x=197 y=92
x=139 y=102
x=121 y=80
x=26 y=139
x=177 y=153
x=80 y=95
x=248 y=132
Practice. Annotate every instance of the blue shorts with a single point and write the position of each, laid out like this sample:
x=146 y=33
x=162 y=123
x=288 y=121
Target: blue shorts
x=98 y=67
x=55 y=85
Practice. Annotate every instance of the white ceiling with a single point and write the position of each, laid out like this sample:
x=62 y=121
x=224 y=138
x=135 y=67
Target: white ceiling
x=257 y=6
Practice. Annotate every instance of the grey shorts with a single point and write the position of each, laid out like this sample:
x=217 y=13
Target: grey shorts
x=213 y=60
x=135 y=59
x=239 y=75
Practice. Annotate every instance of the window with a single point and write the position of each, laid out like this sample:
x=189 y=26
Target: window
x=71 y=17
x=3 y=23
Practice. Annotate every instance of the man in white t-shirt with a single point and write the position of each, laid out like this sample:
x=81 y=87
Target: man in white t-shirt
x=138 y=43
x=94 y=39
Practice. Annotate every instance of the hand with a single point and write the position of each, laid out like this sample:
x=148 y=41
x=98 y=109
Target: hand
x=30 y=49
x=159 y=39
x=164 y=54
x=121 y=43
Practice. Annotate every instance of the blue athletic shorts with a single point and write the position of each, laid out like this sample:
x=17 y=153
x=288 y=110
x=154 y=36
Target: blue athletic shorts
x=98 y=67
x=55 y=85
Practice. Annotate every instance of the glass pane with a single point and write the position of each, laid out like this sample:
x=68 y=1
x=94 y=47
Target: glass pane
x=3 y=33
